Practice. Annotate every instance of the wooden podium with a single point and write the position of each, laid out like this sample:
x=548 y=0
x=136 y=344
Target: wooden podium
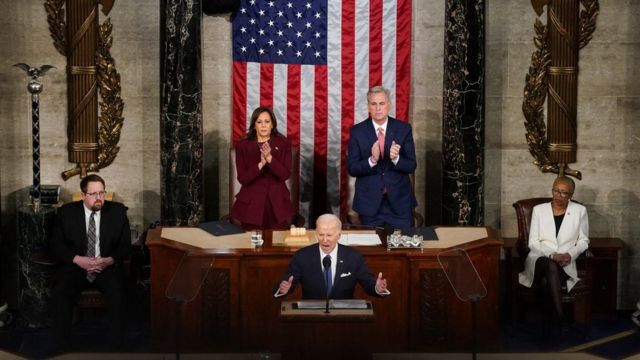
x=339 y=334
x=236 y=311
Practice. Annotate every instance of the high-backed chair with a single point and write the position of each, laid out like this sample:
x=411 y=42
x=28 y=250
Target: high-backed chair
x=91 y=297
x=293 y=184
x=523 y=297
x=352 y=216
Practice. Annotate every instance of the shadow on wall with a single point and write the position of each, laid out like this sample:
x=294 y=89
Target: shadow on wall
x=9 y=245
x=629 y=109
x=150 y=201
x=628 y=231
x=432 y=187
x=213 y=193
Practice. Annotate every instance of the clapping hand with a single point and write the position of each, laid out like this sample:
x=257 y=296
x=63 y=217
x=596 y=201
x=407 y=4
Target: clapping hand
x=266 y=152
x=394 y=152
x=375 y=151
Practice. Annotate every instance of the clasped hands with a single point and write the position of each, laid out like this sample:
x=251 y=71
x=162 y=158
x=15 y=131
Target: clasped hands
x=394 y=151
x=562 y=259
x=381 y=285
x=265 y=154
x=93 y=264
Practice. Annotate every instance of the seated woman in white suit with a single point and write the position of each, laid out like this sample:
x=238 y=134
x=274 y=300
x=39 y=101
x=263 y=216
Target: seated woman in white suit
x=559 y=234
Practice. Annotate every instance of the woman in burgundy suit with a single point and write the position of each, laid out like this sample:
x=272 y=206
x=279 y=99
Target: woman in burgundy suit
x=263 y=162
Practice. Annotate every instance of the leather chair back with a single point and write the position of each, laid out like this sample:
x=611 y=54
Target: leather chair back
x=524 y=209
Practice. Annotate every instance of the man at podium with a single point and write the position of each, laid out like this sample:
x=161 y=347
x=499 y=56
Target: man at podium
x=328 y=269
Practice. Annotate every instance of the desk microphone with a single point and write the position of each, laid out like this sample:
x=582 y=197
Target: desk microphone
x=326 y=263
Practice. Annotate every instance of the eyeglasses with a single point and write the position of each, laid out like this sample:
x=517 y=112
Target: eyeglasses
x=561 y=193
x=96 y=194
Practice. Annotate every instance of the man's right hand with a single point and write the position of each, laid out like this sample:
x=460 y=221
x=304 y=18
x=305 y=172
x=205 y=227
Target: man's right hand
x=285 y=286
x=375 y=151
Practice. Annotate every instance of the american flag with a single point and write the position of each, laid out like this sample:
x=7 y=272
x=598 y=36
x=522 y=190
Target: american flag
x=313 y=61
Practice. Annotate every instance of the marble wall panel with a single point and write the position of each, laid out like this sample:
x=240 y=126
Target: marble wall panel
x=496 y=69
x=509 y=22
x=610 y=69
x=615 y=19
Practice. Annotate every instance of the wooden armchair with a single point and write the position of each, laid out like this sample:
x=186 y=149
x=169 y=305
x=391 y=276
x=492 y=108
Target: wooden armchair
x=523 y=297
x=354 y=219
x=293 y=184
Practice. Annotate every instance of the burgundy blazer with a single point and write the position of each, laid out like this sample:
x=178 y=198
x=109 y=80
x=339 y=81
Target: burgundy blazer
x=262 y=187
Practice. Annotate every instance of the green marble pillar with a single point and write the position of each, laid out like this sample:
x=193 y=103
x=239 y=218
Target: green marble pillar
x=34 y=229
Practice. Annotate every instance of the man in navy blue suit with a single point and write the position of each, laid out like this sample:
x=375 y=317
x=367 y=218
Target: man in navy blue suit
x=381 y=157
x=330 y=268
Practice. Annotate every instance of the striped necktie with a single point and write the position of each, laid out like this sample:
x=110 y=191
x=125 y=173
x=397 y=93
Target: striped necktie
x=91 y=243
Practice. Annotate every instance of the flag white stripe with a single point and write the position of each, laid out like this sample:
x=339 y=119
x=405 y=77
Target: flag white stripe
x=280 y=96
x=334 y=103
x=253 y=89
x=389 y=23
x=361 y=60
x=307 y=138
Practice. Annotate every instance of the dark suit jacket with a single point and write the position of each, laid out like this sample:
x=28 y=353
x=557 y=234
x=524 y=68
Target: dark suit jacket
x=70 y=233
x=371 y=180
x=307 y=270
x=262 y=186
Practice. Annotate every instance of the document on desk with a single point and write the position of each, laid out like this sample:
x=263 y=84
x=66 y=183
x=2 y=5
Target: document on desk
x=360 y=239
x=333 y=304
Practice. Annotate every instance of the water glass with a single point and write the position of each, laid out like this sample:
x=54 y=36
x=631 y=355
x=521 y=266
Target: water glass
x=256 y=238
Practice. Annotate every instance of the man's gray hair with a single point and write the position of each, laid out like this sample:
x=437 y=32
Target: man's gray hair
x=329 y=218
x=379 y=90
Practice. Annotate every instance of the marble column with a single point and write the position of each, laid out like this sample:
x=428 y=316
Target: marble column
x=463 y=113
x=181 y=138
x=34 y=229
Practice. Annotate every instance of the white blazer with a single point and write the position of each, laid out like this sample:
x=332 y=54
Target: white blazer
x=573 y=238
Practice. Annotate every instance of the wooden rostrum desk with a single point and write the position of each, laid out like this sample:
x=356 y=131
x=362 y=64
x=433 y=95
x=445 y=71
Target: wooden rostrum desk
x=236 y=312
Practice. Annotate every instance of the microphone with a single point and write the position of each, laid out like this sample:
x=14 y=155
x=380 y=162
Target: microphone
x=388 y=229
x=326 y=263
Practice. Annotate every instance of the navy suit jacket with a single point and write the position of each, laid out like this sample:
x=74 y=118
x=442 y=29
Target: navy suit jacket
x=371 y=180
x=307 y=270
x=70 y=233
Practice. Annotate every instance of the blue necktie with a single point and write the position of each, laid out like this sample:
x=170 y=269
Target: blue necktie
x=327 y=276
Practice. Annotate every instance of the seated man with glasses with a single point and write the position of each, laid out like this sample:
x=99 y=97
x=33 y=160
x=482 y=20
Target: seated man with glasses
x=91 y=237
x=559 y=233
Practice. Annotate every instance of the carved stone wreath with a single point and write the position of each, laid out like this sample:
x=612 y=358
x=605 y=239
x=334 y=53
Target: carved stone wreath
x=108 y=78
x=536 y=86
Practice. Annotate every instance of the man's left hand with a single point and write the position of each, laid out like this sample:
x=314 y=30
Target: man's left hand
x=394 y=152
x=381 y=284
x=99 y=264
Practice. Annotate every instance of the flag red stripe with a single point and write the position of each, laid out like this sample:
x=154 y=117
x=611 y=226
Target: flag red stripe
x=293 y=104
x=375 y=42
x=321 y=128
x=239 y=123
x=403 y=59
x=266 y=85
x=348 y=89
